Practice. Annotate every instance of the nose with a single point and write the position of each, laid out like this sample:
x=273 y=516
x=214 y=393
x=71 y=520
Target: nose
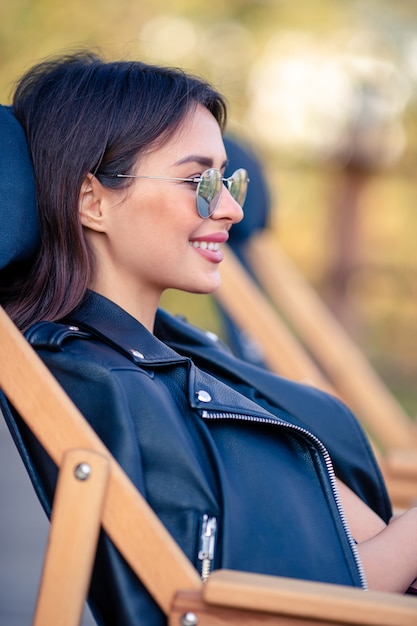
x=227 y=208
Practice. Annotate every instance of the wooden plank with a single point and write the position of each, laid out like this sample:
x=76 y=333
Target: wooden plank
x=189 y=609
x=250 y=309
x=345 y=365
x=305 y=599
x=73 y=536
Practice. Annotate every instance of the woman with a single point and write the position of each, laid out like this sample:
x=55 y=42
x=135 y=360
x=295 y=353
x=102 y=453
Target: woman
x=246 y=470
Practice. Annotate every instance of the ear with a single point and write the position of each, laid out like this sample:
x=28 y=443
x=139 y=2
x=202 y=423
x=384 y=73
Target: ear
x=90 y=204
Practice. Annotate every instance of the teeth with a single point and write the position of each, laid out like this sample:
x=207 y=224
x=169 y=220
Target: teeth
x=206 y=245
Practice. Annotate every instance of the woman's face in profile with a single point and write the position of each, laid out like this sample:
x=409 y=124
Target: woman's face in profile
x=154 y=237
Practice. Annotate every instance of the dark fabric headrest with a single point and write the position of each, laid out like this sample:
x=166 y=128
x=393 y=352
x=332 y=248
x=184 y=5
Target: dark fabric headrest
x=19 y=230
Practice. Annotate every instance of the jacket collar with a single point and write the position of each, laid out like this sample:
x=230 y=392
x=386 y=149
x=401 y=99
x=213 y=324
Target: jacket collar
x=102 y=317
x=111 y=324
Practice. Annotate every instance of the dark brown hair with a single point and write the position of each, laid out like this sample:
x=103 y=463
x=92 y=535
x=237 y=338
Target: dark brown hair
x=82 y=114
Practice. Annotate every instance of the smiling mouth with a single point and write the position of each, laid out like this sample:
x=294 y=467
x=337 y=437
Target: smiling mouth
x=206 y=245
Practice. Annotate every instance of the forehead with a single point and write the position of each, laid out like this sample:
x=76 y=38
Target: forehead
x=199 y=134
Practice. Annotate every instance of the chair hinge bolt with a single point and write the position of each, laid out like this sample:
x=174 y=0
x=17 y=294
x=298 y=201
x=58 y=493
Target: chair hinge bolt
x=82 y=471
x=189 y=619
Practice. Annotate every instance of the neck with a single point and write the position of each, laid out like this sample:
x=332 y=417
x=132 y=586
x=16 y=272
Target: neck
x=138 y=304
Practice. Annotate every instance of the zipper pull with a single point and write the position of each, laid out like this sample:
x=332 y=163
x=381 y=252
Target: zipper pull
x=207 y=545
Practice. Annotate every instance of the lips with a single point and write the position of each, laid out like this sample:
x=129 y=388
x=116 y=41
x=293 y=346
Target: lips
x=209 y=246
x=210 y=242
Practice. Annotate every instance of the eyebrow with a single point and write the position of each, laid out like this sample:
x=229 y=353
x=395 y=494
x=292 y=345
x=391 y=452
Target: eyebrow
x=201 y=160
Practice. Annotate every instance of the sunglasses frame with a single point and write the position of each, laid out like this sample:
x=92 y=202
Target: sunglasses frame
x=214 y=181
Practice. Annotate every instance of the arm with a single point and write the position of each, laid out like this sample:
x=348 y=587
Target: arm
x=388 y=553
x=390 y=557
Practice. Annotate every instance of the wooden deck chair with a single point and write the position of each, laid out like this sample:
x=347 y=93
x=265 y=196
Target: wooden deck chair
x=265 y=295
x=93 y=492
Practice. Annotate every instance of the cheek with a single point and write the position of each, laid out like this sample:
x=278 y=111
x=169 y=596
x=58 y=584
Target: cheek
x=158 y=214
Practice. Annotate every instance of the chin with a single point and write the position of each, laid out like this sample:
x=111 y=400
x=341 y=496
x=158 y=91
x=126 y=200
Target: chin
x=205 y=288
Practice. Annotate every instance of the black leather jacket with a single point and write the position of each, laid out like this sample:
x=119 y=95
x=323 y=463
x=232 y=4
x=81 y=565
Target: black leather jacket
x=218 y=447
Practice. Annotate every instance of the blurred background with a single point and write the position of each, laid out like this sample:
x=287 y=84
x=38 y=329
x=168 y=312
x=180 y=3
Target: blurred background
x=325 y=92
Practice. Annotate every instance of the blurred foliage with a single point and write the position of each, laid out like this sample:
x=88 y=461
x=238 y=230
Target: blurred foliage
x=248 y=49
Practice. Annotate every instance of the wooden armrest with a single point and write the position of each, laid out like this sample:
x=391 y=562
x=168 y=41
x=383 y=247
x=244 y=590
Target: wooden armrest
x=233 y=598
x=309 y=599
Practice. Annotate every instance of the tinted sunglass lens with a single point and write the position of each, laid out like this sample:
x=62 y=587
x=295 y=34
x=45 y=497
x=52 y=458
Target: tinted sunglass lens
x=238 y=186
x=208 y=192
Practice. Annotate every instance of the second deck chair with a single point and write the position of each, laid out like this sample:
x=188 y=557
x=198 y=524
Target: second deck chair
x=93 y=492
x=263 y=294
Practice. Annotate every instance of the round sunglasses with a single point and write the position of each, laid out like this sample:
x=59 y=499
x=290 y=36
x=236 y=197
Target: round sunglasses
x=209 y=187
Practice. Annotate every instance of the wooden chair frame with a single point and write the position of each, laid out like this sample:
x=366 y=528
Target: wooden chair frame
x=93 y=491
x=343 y=362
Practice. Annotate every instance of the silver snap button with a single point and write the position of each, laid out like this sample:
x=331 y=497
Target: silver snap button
x=203 y=396
x=212 y=335
x=137 y=354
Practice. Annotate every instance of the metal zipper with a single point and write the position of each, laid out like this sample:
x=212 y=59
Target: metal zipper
x=208 y=535
x=329 y=466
